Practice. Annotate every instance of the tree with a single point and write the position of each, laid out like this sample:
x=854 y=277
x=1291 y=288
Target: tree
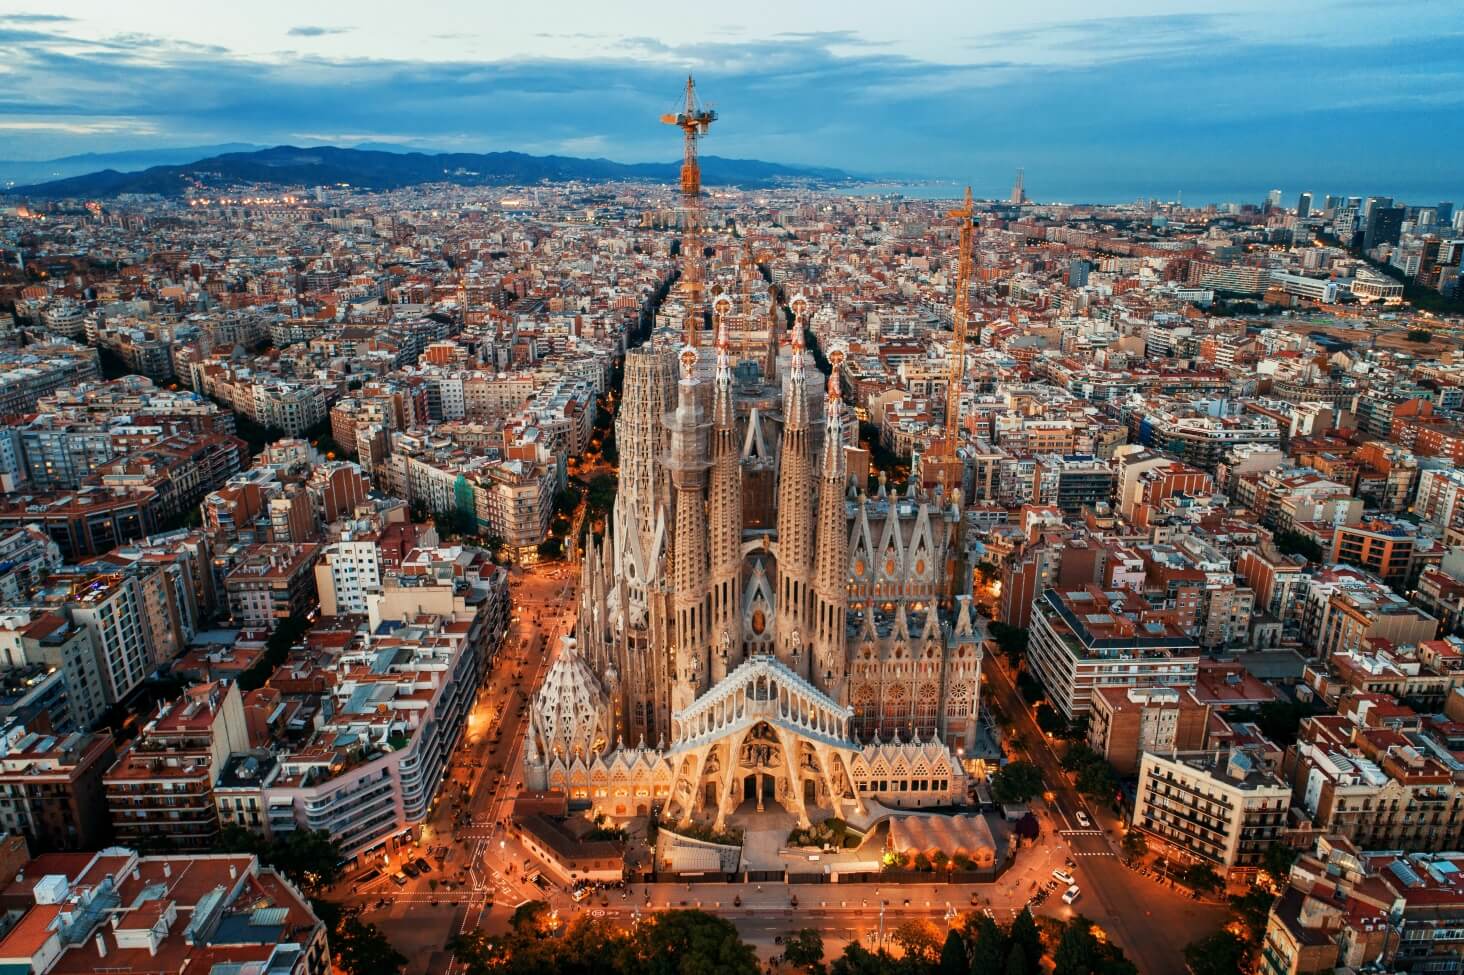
x=1011 y=641
x=1080 y=952
x=1030 y=688
x=529 y=917
x=1098 y=782
x=692 y=943
x=953 y=955
x=1222 y=953
x=309 y=857
x=1023 y=936
x=1253 y=910
x=1050 y=721
x=1016 y=962
x=859 y=960
x=1135 y=844
x=918 y=938
x=1199 y=877
x=1078 y=756
x=1016 y=782
x=1277 y=860
x=1419 y=335
x=803 y=948
x=358 y=948
x=986 y=943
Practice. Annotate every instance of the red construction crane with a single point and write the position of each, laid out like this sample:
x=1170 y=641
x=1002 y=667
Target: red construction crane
x=693 y=121
x=961 y=313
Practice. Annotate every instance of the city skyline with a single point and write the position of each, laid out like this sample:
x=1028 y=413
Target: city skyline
x=1155 y=100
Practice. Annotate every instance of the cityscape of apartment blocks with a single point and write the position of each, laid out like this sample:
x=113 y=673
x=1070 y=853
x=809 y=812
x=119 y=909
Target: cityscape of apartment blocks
x=1209 y=458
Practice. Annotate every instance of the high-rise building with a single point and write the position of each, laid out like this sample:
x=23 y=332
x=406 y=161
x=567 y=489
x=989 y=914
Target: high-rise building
x=1304 y=205
x=1273 y=200
x=1445 y=210
x=1384 y=225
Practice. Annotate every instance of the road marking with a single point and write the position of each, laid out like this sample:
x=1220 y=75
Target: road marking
x=1081 y=832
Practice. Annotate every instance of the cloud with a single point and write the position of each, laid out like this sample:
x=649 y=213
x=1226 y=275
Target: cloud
x=311 y=30
x=1102 y=106
x=37 y=18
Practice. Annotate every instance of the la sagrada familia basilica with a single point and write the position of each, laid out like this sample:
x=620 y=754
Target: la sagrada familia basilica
x=755 y=627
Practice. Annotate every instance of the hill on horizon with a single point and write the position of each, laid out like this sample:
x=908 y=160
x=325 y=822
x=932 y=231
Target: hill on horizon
x=384 y=170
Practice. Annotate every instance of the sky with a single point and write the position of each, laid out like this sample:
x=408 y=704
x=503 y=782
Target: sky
x=1218 y=101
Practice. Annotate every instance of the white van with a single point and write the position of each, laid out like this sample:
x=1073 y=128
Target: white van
x=1071 y=894
x=1063 y=876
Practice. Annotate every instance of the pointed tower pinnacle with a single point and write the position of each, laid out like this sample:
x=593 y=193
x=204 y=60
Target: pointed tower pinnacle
x=689 y=553
x=831 y=591
x=795 y=519
x=724 y=517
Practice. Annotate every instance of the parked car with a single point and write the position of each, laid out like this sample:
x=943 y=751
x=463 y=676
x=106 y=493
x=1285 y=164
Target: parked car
x=1071 y=894
x=1063 y=875
x=399 y=878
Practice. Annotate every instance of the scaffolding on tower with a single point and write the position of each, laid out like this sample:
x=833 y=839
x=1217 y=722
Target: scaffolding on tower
x=693 y=120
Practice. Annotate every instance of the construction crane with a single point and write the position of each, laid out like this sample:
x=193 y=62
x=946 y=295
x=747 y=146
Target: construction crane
x=693 y=121
x=961 y=313
x=941 y=465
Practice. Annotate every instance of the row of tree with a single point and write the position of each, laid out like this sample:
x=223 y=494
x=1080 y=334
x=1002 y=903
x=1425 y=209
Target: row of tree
x=693 y=942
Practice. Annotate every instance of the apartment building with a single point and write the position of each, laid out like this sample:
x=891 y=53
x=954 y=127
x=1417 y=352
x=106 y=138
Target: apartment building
x=1345 y=907
x=117 y=911
x=1125 y=722
x=271 y=582
x=1087 y=638
x=51 y=788
x=161 y=787
x=399 y=703
x=1220 y=808
x=1380 y=787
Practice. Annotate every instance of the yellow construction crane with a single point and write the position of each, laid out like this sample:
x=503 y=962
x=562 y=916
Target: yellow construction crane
x=693 y=121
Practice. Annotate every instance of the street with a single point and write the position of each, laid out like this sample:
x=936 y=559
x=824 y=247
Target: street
x=480 y=869
x=1130 y=908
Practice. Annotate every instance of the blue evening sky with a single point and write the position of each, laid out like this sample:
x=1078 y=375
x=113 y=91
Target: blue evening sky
x=1220 y=100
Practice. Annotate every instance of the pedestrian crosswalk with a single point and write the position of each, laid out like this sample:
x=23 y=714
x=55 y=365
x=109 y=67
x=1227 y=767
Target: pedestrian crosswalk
x=1094 y=853
x=1081 y=832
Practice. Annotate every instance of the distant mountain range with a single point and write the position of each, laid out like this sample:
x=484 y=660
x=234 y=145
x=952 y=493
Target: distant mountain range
x=384 y=170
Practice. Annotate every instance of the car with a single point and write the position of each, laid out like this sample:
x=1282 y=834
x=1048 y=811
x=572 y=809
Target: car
x=1063 y=875
x=399 y=878
x=1084 y=821
x=410 y=869
x=1071 y=894
x=422 y=865
x=580 y=894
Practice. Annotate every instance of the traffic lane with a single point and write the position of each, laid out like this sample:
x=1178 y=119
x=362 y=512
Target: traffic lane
x=1036 y=745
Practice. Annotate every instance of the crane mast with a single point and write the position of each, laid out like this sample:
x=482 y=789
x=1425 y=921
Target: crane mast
x=961 y=314
x=693 y=121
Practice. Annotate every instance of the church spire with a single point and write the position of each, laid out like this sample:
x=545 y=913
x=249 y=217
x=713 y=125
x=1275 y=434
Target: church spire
x=795 y=517
x=724 y=517
x=689 y=552
x=831 y=570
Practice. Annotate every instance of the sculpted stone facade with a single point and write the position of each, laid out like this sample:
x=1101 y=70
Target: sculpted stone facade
x=753 y=613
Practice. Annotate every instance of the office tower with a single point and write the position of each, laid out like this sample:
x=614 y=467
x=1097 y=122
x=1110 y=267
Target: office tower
x=1384 y=225
x=1333 y=202
x=1273 y=200
x=1445 y=211
x=1304 y=205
